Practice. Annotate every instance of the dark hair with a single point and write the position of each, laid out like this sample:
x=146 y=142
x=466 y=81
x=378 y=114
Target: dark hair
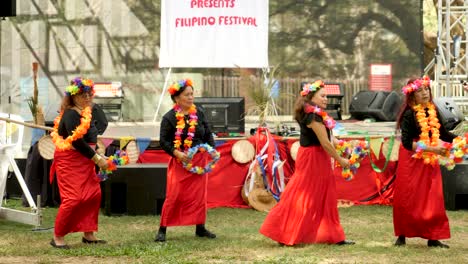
x=408 y=102
x=67 y=103
x=181 y=90
x=299 y=105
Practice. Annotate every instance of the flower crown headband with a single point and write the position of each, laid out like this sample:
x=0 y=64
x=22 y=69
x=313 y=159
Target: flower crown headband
x=175 y=87
x=79 y=85
x=416 y=85
x=311 y=87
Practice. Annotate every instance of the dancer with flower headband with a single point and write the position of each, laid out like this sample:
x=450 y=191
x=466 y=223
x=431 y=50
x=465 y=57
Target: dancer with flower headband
x=307 y=211
x=75 y=136
x=183 y=127
x=418 y=200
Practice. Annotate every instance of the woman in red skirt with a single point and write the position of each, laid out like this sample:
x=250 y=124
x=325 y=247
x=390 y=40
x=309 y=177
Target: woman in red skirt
x=307 y=211
x=182 y=127
x=418 y=200
x=75 y=136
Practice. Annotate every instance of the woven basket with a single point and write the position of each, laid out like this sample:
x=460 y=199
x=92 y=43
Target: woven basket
x=46 y=147
x=261 y=200
x=243 y=151
x=132 y=152
x=258 y=183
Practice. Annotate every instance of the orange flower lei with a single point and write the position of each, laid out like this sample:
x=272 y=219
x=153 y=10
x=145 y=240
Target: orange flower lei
x=79 y=132
x=427 y=124
x=181 y=125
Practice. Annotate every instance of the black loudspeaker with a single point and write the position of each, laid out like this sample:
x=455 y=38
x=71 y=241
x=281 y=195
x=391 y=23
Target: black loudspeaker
x=8 y=8
x=136 y=189
x=456 y=186
x=450 y=115
x=380 y=105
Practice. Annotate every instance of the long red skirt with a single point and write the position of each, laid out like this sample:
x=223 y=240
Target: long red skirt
x=307 y=211
x=80 y=193
x=186 y=202
x=418 y=199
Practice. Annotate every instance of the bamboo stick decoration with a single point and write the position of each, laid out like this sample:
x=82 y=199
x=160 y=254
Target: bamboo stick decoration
x=35 y=91
x=33 y=101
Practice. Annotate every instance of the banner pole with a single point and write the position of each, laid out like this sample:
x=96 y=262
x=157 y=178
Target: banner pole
x=162 y=94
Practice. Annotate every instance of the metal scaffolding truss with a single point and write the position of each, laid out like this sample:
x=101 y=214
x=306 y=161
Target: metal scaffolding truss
x=451 y=60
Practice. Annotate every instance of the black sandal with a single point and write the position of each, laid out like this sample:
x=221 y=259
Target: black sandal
x=53 y=244
x=97 y=241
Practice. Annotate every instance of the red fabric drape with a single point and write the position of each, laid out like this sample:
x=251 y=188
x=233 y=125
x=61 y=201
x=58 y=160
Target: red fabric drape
x=154 y=156
x=227 y=178
x=367 y=185
x=225 y=181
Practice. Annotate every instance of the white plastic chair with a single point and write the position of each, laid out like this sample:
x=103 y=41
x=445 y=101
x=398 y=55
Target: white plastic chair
x=11 y=140
x=11 y=133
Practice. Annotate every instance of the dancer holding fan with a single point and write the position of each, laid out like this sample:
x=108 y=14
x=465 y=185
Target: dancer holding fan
x=75 y=137
x=418 y=200
x=183 y=128
x=307 y=211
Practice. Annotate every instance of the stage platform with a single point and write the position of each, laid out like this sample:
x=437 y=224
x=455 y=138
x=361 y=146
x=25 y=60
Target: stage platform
x=349 y=127
x=150 y=130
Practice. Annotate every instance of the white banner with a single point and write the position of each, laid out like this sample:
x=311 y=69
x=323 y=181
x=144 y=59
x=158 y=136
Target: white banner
x=214 y=34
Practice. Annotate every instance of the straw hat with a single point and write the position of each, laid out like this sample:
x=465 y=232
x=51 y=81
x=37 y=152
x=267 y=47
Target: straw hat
x=244 y=193
x=132 y=152
x=243 y=151
x=395 y=150
x=46 y=147
x=294 y=149
x=261 y=200
x=258 y=182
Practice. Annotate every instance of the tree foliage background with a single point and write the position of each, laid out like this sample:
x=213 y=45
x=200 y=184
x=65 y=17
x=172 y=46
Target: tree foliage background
x=112 y=40
x=341 y=38
x=334 y=39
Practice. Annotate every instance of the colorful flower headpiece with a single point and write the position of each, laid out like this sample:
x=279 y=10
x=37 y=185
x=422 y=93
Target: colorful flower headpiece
x=80 y=85
x=175 y=87
x=416 y=84
x=311 y=87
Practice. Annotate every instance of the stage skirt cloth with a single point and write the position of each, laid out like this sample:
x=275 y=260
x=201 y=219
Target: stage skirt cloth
x=186 y=200
x=418 y=199
x=307 y=211
x=80 y=193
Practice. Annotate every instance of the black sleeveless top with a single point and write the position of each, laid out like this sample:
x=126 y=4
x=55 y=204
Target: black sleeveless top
x=308 y=136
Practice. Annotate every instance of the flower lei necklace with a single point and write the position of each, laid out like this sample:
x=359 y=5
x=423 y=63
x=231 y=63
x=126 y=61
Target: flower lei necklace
x=208 y=167
x=181 y=125
x=427 y=124
x=79 y=132
x=119 y=158
x=327 y=120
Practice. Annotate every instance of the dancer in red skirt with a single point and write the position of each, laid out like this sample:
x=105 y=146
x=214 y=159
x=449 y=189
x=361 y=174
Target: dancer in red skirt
x=418 y=200
x=75 y=136
x=182 y=127
x=307 y=211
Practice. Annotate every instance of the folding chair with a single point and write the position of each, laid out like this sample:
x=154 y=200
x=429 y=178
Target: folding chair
x=11 y=139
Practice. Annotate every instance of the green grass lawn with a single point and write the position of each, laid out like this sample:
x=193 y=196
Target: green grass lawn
x=131 y=241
